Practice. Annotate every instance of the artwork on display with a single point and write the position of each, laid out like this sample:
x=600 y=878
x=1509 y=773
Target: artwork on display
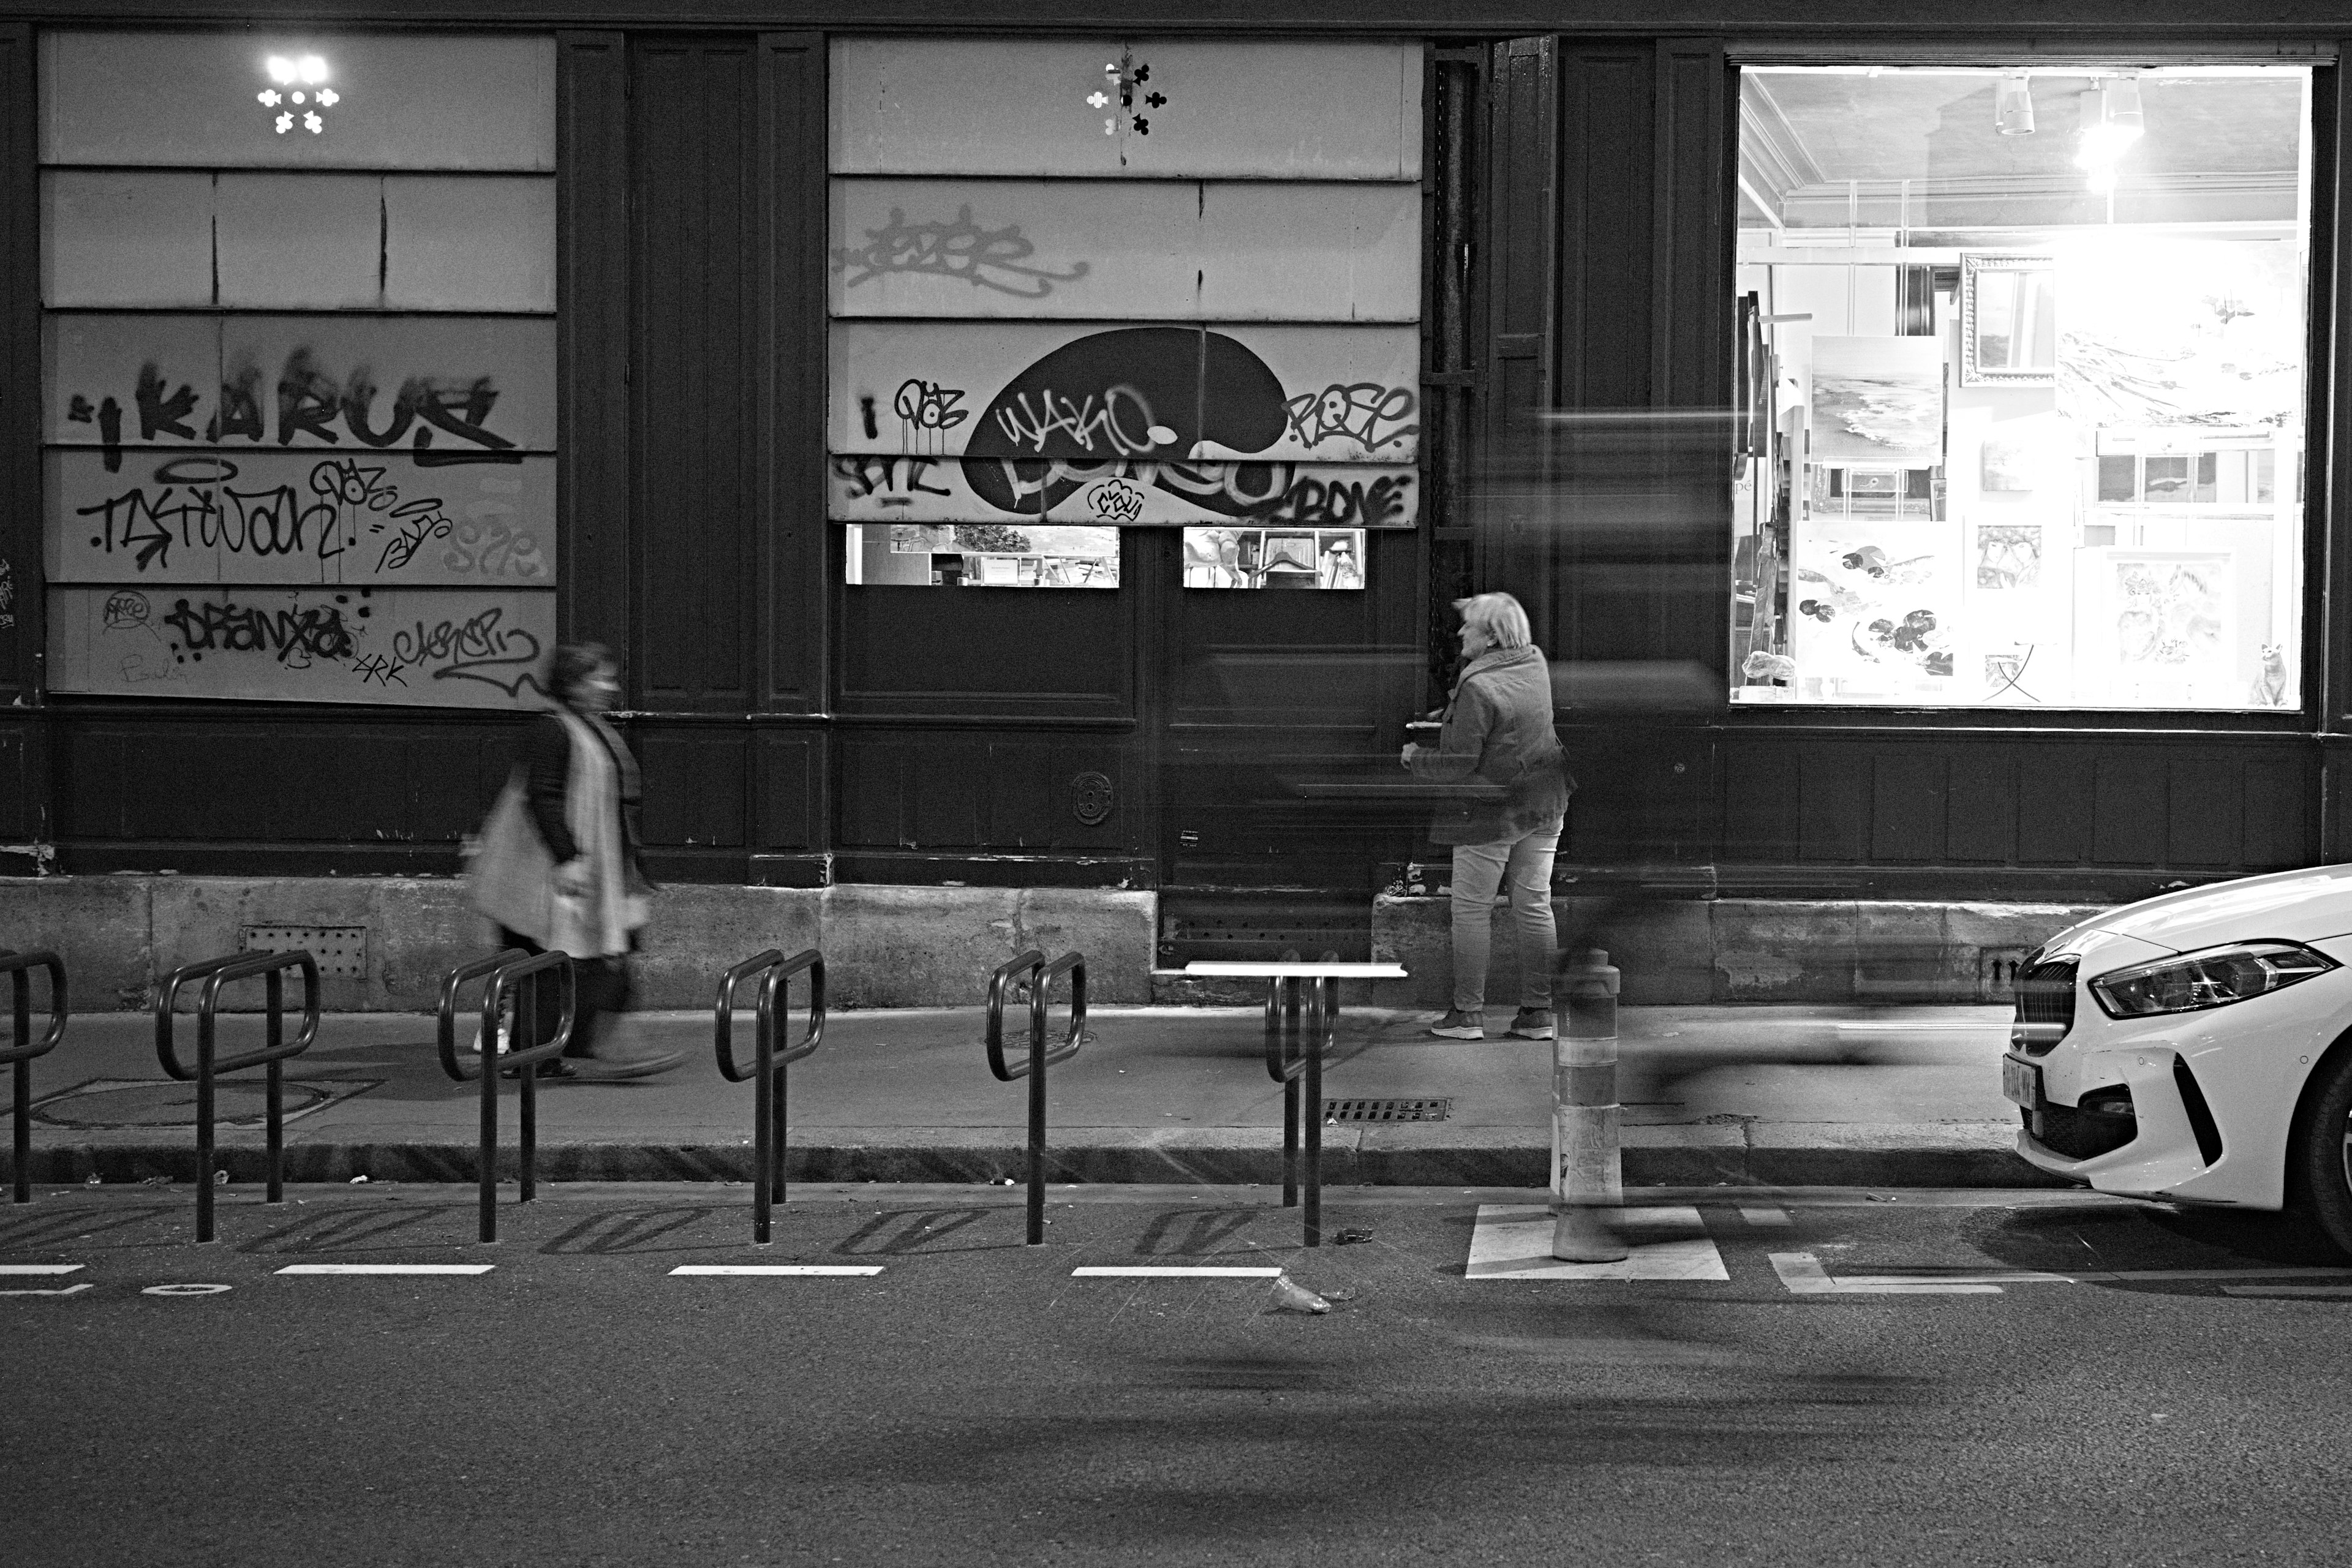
x=1874 y=608
x=2006 y=669
x=2019 y=456
x=2171 y=617
x=983 y=555
x=2008 y=555
x=1272 y=558
x=2201 y=333
x=1878 y=401
x=448 y=647
x=2009 y=320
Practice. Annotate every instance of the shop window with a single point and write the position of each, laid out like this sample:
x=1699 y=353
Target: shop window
x=2022 y=363
x=1081 y=287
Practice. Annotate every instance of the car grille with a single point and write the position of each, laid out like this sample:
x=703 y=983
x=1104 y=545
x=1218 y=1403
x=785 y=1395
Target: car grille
x=2046 y=1005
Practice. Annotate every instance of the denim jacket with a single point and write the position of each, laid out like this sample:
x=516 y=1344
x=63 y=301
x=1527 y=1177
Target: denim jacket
x=1499 y=735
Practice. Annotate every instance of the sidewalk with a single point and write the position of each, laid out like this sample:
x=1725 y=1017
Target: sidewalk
x=1779 y=1095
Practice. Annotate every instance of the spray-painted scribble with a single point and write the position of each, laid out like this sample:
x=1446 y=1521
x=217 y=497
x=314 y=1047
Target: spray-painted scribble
x=984 y=257
x=891 y=481
x=1115 y=501
x=294 y=636
x=1362 y=411
x=477 y=648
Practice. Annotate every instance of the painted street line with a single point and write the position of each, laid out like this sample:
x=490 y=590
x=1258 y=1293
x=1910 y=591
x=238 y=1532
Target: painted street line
x=387 y=1268
x=68 y=1291
x=863 y=1270
x=1765 y=1216
x=2331 y=1292
x=1159 y=1272
x=190 y=1289
x=1513 y=1241
x=1803 y=1273
x=40 y=1268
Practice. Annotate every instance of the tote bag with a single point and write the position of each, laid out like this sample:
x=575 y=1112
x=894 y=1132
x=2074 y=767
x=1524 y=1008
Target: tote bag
x=510 y=873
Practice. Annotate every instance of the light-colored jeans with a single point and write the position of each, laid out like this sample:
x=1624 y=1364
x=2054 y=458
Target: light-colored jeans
x=1525 y=864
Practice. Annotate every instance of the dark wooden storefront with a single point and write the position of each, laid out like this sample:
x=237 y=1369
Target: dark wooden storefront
x=1576 y=257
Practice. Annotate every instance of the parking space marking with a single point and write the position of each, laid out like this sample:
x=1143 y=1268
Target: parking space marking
x=1765 y=1216
x=1803 y=1273
x=387 y=1268
x=40 y=1268
x=1513 y=1241
x=67 y=1291
x=859 y=1270
x=1156 y=1271
x=2333 y=1293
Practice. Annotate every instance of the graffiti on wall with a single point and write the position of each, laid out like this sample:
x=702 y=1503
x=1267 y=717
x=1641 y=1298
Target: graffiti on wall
x=443 y=649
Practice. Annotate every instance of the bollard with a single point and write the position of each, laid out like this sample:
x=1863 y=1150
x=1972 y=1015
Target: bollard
x=1586 y=1173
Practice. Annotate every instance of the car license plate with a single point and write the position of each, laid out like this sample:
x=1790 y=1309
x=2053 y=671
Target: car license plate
x=2021 y=1081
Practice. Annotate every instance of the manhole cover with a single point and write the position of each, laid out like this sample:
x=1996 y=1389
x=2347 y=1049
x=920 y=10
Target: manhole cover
x=106 y=1103
x=1386 y=1109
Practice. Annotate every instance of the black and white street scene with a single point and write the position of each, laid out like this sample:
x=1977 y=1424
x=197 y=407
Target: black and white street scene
x=671 y=891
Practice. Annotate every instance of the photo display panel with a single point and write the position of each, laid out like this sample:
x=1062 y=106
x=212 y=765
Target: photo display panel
x=1117 y=284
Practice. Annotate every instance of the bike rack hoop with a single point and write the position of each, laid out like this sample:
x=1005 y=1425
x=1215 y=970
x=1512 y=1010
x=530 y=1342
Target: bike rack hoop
x=774 y=971
x=451 y=1063
x=20 y=965
x=1021 y=966
x=502 y=984
x=217 y=972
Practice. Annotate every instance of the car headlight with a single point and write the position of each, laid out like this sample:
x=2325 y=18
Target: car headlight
x=2214 y=977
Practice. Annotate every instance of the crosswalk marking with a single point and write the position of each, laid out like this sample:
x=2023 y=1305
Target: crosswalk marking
x=867 y=1270
x=40 y=1268
x=387 y=1268
x=1513 y=1241
x=1142 y=1271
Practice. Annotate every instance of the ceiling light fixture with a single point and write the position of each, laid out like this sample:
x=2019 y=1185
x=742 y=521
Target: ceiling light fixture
x=2013 y=106
x=2107 y=139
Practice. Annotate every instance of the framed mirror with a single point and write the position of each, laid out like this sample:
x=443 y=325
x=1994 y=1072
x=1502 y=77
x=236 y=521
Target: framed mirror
x=2009 y=320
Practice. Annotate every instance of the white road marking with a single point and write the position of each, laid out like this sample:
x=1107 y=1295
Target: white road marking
x=863 y=1270
x=191 y=1290
x=2336 y=1292
x=387 y=1268
x=1803 y=1273
x=66 y=1291
x=40 y=1268
x=1765 y=1216
x=1513 y=1241
x=1156 y=1272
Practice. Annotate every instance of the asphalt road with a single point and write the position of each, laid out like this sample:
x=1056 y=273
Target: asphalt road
x=1877 y=1378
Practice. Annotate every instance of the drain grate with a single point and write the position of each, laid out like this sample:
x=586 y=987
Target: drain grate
x=1386 y=1109
x=341 y=950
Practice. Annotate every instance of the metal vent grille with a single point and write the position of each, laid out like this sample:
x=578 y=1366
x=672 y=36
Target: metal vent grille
x=1387 y=1110
x=341 y=950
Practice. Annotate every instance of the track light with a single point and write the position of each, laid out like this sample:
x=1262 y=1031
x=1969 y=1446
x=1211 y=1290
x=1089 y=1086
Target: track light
x=2013 y=106
x=2107 y=138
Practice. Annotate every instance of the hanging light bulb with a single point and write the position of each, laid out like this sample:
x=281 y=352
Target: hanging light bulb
x=2013 y=106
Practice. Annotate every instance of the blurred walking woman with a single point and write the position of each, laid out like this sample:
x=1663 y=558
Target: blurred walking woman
x=1499 y=735
x=559 y=866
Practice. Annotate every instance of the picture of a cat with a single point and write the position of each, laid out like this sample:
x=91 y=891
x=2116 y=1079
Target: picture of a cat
x=2270 y=685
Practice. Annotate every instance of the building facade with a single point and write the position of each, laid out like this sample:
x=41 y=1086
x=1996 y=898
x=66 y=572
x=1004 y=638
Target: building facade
x=1035 y=456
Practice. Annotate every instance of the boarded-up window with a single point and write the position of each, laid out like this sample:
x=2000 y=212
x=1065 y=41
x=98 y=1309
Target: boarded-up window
x=1078 y=286
x=299 y=360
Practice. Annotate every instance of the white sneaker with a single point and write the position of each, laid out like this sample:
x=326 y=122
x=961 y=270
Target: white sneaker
x=1458 y=1024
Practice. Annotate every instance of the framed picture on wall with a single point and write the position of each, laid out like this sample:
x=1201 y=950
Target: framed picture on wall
x=2009 y=320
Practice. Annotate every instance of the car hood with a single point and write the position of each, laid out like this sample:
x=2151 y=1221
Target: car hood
x=2294 y=906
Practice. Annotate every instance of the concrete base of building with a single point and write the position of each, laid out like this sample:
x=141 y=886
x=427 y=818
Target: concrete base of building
x=934 y=946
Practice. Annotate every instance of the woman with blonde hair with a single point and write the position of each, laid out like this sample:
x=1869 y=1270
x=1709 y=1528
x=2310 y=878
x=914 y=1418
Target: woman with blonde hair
x=1498 y=744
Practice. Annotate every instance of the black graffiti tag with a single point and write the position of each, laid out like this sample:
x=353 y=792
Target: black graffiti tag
x=477 y=648
x=295 y=635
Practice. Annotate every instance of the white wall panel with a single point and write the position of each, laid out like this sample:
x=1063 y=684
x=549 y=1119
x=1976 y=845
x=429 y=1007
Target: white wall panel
x=190 y=99
x=116 y=238
x=1134 y=250
x=1044 y=390
x=449 y=647
x=312 y=242
x=470 y=244
x=1018 y=106
x=462 y=386
x=295 y=517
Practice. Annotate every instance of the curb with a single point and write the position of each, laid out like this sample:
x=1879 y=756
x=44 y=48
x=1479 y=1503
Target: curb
x=986 y=1157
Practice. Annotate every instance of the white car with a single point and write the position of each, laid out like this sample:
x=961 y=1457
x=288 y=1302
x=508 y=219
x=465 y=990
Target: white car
x=2197 y=1048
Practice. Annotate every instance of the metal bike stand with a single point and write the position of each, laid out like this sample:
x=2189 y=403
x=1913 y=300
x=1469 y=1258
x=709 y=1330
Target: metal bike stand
x=215 y=973
x=18 y=967
x=1033 y=968
x=775 y=972
x=504 y=970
